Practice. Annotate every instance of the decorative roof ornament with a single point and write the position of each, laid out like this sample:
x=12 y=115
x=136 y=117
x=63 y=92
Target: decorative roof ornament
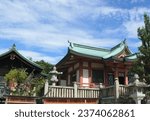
x=14 y=46
x=124 y=41
x=70 y=44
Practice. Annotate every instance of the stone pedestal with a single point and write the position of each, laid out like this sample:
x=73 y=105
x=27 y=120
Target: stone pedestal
x=138 y=96
x=136 y=89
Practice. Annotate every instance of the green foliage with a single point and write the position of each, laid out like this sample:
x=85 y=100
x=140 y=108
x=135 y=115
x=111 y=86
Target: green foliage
x=45 y=65
x=37 y=84
x=138 y=69
x=16 y=75
x=26 y=84
x=142 y=65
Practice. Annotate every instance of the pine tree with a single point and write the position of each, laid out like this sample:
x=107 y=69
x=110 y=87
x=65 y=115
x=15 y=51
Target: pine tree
x=142 y=65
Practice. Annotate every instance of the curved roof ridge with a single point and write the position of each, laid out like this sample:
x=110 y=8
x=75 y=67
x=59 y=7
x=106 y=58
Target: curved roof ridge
x=88 y=47
x=123 y=43
x=131 y=54
x=30 y=61
x=118 y=49
x=131 y=57
x=13 y=49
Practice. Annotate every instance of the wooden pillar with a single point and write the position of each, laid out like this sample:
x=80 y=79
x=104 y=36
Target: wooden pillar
x=106 y=83
x=90 y=72
x=116 y=74
x=81 y=73
x=105 y=75
x=126 y=76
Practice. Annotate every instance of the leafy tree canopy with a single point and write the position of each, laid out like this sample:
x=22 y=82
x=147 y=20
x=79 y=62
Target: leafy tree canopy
x=25 y=84
x=16 y=75
x=45 y=65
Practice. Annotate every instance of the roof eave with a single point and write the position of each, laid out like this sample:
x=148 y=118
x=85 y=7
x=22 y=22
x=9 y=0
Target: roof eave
x=63 y=59
x=25 y=59
x=84 y=55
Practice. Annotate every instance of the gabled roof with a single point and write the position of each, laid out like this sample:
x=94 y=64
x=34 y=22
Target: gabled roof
x=14 y=50
x=88 y=51
x=119 y=52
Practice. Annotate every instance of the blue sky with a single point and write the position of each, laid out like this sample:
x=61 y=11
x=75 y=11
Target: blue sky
x=41 y=28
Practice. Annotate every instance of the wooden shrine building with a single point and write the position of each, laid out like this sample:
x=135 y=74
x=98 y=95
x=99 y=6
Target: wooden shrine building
x=90 y=66
x=13 y=59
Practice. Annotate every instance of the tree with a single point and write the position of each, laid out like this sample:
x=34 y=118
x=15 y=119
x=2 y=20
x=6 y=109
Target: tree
x=16 y=75
x=142 y=65
x=15 y=78
x=24 y=84
x=46 y=66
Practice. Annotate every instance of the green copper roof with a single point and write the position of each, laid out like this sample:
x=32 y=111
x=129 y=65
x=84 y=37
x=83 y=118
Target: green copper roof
x=131 y=57
x=89 y=51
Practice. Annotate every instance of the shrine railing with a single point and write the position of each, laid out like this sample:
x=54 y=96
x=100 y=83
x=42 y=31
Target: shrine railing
x=123 y=90
x=60 y=91
x=72 y=92
x=110 y=91
x=86 y=92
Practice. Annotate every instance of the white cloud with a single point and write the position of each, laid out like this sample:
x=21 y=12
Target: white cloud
x=49 y=24
x=54 y=39
x=39 y=56
x=132 y=19
x=3 y=50
x=131 y=28
x=16 y=12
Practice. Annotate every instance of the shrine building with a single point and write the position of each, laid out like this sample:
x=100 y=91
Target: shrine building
x=89 y=66
x=13 y=59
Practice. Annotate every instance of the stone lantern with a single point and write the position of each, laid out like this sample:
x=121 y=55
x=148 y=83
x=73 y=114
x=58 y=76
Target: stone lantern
x=136 y=89
x=54 y=74
x=54 y=80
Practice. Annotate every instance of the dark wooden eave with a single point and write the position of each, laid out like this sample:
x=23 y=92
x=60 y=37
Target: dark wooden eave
x=13 y=58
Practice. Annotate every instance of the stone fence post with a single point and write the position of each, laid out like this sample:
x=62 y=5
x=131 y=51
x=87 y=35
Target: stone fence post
x=101 y=85
x=75 y=90
x=46 y=87
x=116 y=86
